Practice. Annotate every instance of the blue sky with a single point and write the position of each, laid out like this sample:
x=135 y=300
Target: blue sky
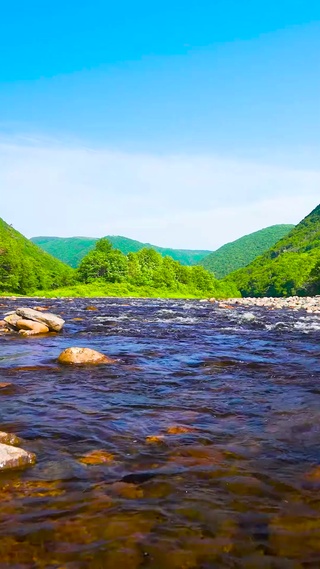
x=179 y=123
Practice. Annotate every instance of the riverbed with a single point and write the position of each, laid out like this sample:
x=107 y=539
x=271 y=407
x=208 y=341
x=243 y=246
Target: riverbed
x=207 y=427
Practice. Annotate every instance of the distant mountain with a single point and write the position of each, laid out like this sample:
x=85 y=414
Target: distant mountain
x=24 y=267
x=241 y=252
x=72 y=250
x=291 y=266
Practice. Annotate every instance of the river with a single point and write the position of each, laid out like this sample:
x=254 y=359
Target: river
x=210 y=425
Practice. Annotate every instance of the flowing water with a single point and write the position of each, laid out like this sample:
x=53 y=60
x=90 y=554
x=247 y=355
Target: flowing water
x=198 y=448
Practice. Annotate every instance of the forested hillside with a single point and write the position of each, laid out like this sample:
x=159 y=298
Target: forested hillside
x=24 y=267
x=291 y=267
x=72 y=250
x=148 y=269
x=241 y=252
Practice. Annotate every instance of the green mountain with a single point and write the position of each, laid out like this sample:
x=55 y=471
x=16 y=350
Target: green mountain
x=241 y=252
x=72 y=250
x=24 y=267
x=291 y=266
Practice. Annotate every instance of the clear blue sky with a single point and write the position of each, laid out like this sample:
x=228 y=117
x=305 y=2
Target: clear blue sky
x=212 y=99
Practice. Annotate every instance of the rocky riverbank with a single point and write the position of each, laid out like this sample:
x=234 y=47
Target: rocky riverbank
x=310 y=304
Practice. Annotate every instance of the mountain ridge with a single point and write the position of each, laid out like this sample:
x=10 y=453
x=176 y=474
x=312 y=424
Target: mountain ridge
x=240 y=252
x=290 y=267
x=72 y=250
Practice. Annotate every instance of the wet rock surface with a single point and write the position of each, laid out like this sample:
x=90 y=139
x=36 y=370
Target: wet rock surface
x=83 y=356
x=9 y=438
x=199 y=449
x=13 y=457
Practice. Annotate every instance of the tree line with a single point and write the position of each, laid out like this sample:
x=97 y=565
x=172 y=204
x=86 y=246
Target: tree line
x=148 y=268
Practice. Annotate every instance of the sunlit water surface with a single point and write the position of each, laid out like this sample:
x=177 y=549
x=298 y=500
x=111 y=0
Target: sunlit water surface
x=210 y=422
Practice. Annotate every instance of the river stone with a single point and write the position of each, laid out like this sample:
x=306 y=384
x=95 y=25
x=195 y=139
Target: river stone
x=9 y=439
x=13 y=457
x=53 y=321
x=29 y=327
x=83 y=356
x=12 y=320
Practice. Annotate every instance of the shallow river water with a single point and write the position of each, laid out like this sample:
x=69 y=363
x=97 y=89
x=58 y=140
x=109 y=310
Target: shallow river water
x=199 y=448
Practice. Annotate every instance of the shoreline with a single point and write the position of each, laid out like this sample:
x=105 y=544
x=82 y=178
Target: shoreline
x=311 y=304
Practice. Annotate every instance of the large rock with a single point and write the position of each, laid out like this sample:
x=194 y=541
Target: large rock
x=53 y=321
x=83 y=356
x=13 y=457
x=31 y=328
x=11 y=320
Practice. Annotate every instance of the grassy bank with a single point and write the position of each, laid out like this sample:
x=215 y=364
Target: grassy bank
x=122 y=290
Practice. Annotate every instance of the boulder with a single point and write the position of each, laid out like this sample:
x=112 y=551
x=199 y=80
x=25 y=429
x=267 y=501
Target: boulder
x=52 y=321
x=83 y=356
x=31 y=328
x=14 y=457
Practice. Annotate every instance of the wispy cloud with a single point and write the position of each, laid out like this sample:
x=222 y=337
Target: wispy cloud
x=194 y=201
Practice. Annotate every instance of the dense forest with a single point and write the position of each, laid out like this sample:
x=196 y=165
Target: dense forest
x=72 y=250
x=24 y=267
x=243 y=251
x=291 y=267
x=149 y=269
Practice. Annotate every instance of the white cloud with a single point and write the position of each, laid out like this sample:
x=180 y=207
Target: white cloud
x=191 y=201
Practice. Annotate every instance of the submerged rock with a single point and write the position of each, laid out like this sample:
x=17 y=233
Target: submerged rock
x=52 y=321
x=83 y=356
x=5 y=384
x=95 y=457
x=13 y=457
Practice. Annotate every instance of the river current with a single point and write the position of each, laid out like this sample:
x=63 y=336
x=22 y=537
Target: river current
x=198 y=448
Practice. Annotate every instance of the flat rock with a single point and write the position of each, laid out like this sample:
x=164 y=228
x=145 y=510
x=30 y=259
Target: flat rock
x=15 y=457
x=52 y=321
x=83 y=356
